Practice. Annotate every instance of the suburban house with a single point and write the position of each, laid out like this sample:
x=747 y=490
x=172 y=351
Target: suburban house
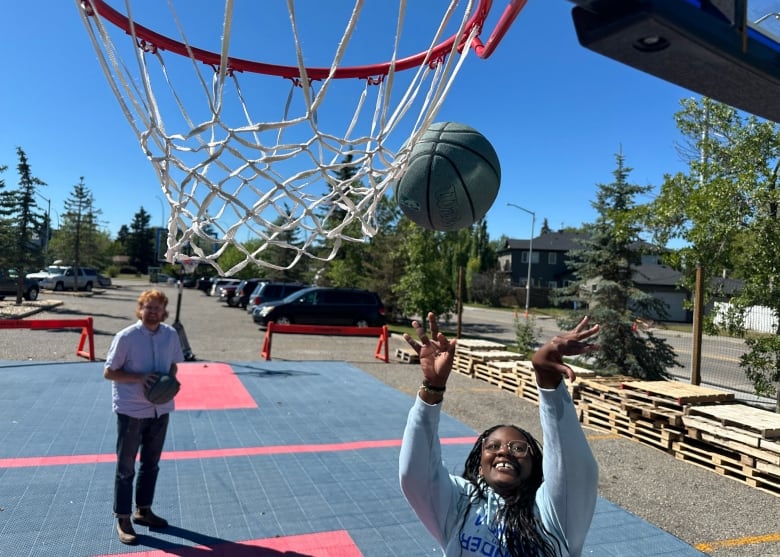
x=548 y=270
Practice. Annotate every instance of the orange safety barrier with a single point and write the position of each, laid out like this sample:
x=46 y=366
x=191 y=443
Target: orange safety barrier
x=87 y=330
x=381 y=353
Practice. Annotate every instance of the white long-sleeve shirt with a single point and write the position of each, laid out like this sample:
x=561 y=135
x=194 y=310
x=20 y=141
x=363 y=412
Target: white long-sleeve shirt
x=565 y=501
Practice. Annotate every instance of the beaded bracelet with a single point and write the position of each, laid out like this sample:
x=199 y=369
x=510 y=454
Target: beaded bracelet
x=432 y=388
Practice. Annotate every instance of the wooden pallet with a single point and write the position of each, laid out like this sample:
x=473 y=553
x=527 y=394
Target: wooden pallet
x=655 y=433
x=674 y=393
x=605 y=390
x=527 y=390
x=501 y=374
x=670 y=416
x=764 y=423
x=466 y=345
x=463 y=365
x=407 y=356
x=726 y=463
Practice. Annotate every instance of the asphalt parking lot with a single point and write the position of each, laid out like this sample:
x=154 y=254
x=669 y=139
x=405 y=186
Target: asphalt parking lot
x=720 y=516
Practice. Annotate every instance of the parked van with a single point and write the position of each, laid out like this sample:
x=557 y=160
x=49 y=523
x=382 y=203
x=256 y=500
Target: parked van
x=324 y=306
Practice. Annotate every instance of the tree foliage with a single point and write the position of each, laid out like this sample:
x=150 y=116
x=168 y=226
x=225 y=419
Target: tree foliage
x=426 y=283
x=725 y=209
x=604 y=269
x=79 y=241
x=21 y=223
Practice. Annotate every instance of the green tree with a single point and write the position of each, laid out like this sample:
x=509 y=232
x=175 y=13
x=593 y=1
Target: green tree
x=21 y=224
x=383 y=265
x=140 y=242
x=426 y=282
x=346 y=263
x=725 y=208
x=604 y=270
x=278 y=253
x=79 y=240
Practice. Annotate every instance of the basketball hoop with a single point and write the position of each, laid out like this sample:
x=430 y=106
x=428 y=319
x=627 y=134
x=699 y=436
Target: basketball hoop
x=300 y=182
x=189 y=265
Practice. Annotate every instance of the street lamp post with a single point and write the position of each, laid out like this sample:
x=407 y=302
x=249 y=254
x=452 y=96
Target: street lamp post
x=530 y=256
x=159 y=232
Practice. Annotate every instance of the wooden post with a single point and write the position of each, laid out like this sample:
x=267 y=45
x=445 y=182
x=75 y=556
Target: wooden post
x=459 y=309
x=698 y=318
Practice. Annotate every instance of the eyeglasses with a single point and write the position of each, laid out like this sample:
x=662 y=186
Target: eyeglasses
x=517 y=449
x=154 y=309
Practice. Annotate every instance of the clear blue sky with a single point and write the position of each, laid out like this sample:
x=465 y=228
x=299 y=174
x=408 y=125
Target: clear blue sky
x=556 y=113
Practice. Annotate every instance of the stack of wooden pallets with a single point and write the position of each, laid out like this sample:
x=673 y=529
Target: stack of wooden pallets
x=650 y=412
x=734 y=440
x=469 y=350
x=696 y=424
x=700 y=425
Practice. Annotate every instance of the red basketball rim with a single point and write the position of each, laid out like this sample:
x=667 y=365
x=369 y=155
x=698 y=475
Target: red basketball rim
x=436 y=54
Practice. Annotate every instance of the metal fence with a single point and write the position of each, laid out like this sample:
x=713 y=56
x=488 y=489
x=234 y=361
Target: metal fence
x=720 y=358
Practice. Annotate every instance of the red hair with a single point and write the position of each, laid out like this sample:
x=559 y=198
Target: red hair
x=152 y=296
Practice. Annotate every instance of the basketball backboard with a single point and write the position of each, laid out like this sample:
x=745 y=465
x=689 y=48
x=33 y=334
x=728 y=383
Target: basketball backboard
x=728 y=50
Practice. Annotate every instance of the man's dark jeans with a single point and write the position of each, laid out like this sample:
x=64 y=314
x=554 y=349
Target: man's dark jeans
x=148 y=435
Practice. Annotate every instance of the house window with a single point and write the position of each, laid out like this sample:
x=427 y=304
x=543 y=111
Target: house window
x=552 y=258
x=552 y=284
x=534 y=258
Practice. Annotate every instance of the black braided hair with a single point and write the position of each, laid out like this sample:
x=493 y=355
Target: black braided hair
x=522 y=532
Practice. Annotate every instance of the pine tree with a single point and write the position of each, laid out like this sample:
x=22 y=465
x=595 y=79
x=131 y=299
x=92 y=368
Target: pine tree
x=604 y=265
x=21 y=222
x=140 y=242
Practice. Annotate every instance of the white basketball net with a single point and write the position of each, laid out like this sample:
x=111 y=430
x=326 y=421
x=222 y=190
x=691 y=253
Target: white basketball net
x=265 y=185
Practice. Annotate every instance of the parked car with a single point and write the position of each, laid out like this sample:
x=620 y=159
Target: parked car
x=48 y=271
x=66 y=279
x=220 y=282
x=103 y=280
x=226 y=292
x=204 y=284
x=271 y=291
x=244 y=289
x=9 y=282
x=324 y=306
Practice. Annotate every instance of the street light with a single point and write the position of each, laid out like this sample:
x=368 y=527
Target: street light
x=160 y=231
x=530 y=256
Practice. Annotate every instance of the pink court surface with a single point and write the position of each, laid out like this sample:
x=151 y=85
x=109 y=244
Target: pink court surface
x=262 y=459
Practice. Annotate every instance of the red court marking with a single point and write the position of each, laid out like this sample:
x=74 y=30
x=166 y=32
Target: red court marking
x=211 y=386
x=323 y=544
x=35 y=461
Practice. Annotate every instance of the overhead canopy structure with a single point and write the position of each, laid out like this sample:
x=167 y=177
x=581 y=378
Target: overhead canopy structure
x=728 y=50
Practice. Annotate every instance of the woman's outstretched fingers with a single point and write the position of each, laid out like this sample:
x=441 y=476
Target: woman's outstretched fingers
x=434 y=326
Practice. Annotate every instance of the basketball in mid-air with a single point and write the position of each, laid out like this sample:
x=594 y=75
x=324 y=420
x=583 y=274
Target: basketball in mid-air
x=451 y=180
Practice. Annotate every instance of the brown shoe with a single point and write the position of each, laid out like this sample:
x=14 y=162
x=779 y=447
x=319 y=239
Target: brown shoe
x=125 y=530
x=146 y=517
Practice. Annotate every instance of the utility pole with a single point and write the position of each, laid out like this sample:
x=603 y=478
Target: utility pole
x=530 y=256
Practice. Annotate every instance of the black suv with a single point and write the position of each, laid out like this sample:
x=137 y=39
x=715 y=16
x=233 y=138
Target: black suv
x=324 y=306
x=240 y=297
x=266 y=292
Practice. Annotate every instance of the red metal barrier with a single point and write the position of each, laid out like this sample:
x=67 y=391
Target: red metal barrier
x=382 y=351
x=87 y=330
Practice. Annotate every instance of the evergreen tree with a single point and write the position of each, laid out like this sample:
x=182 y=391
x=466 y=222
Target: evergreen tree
x=347 y=262
x=604 y=270
x=281 y=257
x=79 y=241
x=20 y=222
x=140 y=242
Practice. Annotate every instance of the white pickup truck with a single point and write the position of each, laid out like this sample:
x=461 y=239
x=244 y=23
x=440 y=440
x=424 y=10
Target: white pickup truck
x=65 y=279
